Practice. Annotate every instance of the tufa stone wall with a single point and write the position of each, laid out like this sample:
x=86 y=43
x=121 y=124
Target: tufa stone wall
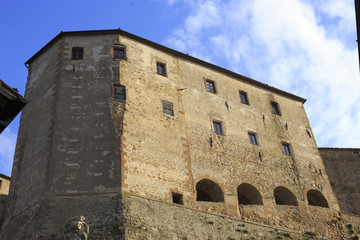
x=343 y=168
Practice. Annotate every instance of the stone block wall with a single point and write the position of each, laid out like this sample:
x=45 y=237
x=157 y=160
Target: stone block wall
x=343 y=168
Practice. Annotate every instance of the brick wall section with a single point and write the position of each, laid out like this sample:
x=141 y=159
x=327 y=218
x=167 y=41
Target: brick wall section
x=343 y=169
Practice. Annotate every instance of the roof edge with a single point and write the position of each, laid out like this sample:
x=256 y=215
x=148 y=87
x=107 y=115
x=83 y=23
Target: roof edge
x=340 y=149
x=168 y=50
x=5 y=176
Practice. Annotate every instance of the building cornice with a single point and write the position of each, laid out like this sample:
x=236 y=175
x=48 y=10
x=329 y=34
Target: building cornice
x=229 y=73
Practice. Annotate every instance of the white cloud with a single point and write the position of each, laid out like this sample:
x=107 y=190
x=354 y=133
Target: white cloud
x=300 y=46
x=7 y=148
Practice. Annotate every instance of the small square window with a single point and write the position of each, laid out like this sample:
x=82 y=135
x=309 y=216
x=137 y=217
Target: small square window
x=161 y=68
x=210 y=86
x=356 y=154
x=168 y=108
x=77 y=53
x=177 y=198
x=253 y=138
x=244 y=98
x=217 y=127
x=119 y=52
x=120 y=92
x=275 y=108
x=287 y=149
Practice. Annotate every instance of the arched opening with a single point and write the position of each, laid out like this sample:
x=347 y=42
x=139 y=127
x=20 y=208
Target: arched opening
x=248 y=195
x=209 y=191
x=284 y=196
x=315 y=198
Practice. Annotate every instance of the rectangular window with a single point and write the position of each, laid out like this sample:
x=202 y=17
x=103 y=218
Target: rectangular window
x=217 y=127
x=77 y=53
x=120 y=92
x=161 y=68
x=119 y=52
x=243 y=97
x=275 y=108
x=286 y=149
x=168 y=108
x=210 y=86
x=0 y=183
x=177 y=198
x=253 y=138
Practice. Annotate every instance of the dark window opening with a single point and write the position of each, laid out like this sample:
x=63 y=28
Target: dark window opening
x=168 y=108
x=275 y=108
x=77 y=53
x=244 y=98
x=161 y=68
x=177 y=198
x=287 y=149
x=217 y=127
x=284 y=196
x=120 y=92
x=253 y=139
x=0 y=183
x=119 y=53
x=208 y=191
x=248 y=195
x=210 y=86
x=315 y=198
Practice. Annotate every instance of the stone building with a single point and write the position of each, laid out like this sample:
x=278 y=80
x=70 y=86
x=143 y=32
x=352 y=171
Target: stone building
x=145 y=142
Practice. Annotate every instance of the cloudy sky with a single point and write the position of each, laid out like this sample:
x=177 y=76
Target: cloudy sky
x=305 y=47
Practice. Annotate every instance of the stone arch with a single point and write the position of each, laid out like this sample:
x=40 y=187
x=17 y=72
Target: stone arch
x=208 y=191
x=248 y=195
x=316 y=198
x=284 y=196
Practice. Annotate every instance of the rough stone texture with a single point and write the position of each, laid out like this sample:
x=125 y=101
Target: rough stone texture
x=80 y=152
x=343 y=169
x=3 y=199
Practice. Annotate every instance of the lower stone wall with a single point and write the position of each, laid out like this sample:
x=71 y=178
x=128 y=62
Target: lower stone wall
x=127 y=216
x=150 y=219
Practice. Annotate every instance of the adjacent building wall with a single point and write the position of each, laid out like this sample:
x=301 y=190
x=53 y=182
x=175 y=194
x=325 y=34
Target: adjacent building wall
x=343 y=168
x=4 y=191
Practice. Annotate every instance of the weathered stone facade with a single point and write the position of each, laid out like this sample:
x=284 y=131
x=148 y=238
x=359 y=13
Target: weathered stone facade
x=139 y=170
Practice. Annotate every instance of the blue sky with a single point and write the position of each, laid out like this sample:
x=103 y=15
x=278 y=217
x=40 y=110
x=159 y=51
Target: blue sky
x=305 y=47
